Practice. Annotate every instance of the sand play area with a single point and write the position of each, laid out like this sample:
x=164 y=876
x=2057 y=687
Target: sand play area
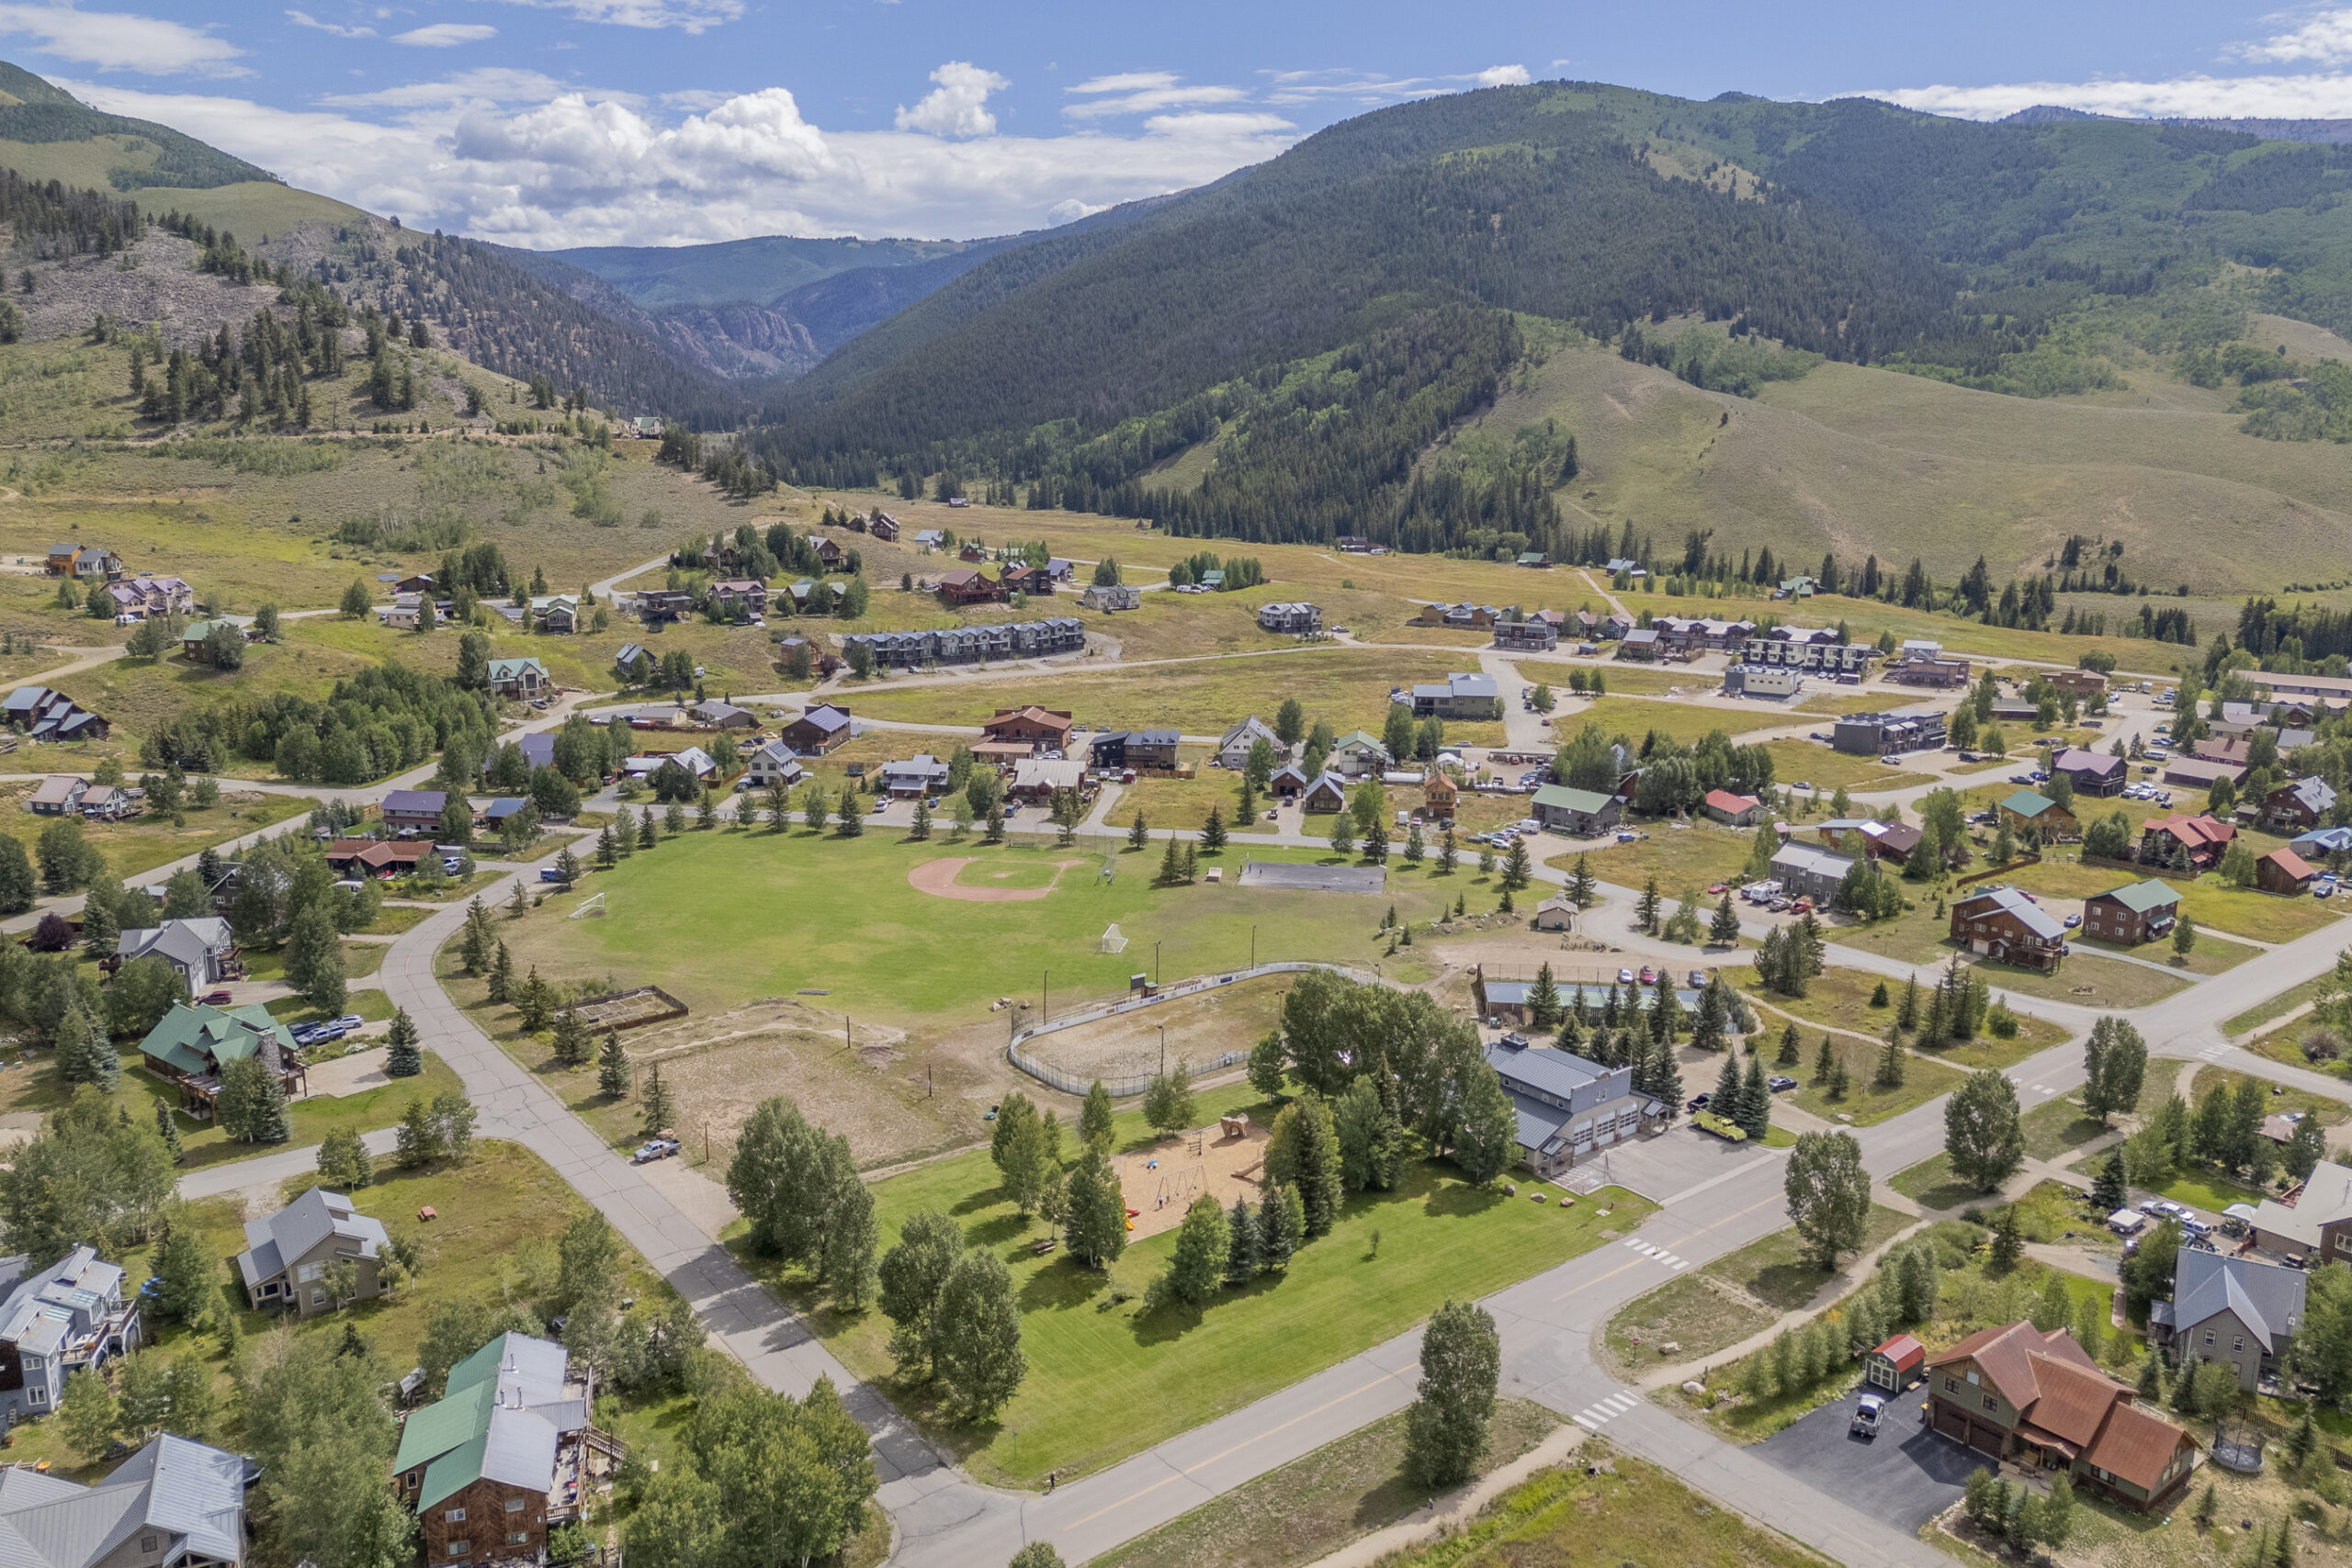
x=938 y=878
x=1161 y=1181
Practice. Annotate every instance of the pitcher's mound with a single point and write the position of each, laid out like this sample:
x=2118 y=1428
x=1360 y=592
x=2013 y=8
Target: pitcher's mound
x=937 y=878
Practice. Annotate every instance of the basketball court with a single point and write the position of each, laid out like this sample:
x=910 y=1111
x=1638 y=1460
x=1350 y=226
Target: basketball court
x=1294 y=876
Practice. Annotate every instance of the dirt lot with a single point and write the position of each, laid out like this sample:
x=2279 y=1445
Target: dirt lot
x=722 y=1067
x=1200 y=1029
x=1161 y=1182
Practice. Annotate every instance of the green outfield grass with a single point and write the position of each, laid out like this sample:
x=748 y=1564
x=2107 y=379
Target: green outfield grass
x=687 y=916
x=1108 y=1378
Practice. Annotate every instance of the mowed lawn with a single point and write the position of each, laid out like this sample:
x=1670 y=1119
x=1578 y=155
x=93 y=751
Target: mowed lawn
x=1108 y=1378
x=1686 y=722
x=722 y=916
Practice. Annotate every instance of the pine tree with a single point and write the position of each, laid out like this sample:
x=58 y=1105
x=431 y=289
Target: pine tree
x=167 y=1128
x=1825 y=1062
x=573 y=1045
x=1754 y=1116
x=1907 y=1015
x=1241 y=1256
x=502 y=976
x=1724 y=931
x=1892 y=1061
x=1278 y=1234
x=402 y=1058
x=1791 y=1046
x=660 y=1106
x=1646 y=912
x=1724 y=1101
x=611 y=1067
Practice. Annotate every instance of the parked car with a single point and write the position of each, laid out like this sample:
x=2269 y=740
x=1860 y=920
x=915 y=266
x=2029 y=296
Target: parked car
x=2324 y=890
x=1802 y=784
x=2073 y=921
x=1866 y=1415
x=1698 y=1102
x=1697 y=980
x=349 y=1021
x=214 y=998
x=1649 y=975
x=657 y=1148
x=1624 y=975
x=1780 y=1083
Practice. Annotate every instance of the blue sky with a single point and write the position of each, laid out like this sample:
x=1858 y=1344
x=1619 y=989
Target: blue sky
x=555 y=122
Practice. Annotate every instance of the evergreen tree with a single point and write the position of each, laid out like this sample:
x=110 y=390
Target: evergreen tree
x=611 y=1067
x=403 y=1057
x=660 y=1107
x=168 y=1127
x=1646 y=912
x=1723 y=929
x=1893 y=1060
x=1825 y=1060
x=1755 y=1115
x=1791 y=1046
x=1242 y=1254
x=1203 y=1251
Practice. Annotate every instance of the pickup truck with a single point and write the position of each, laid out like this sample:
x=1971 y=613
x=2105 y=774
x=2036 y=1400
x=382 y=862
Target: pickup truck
x=1721 y=1127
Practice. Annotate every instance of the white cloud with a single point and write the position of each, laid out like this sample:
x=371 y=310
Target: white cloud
x=115 y=40
x=446 y=35
x=959 y=105
x=1217 y=124
x=2324 y=40
x=1153 y=91
x=484 y=85
x=1504 y=76
x=1125 y=82
x=688 y=15
x=2314 y=95
x=517 y=158
x=304 y=19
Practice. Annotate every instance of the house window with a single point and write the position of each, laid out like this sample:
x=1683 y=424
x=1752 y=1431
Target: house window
x=1952 y=1385
x=2208 y=1337
x=1991 y=1402
x=456 y=1516
x=39 y=1395
x=513 y=1505
x=459 y=1548
x=517 y=1537
x=146 y=1543
x=2239 y=1343
x=307 y=1272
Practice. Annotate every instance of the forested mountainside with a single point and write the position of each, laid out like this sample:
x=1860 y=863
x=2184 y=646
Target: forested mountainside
x=758 y=271
x=32 y=111
x=774 y=307
x=1079 y=363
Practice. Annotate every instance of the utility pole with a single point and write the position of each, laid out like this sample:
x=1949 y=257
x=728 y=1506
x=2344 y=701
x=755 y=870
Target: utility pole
x=1155 y=965
x=1045 y=997
x=1254 y=947
x=1163 y=1050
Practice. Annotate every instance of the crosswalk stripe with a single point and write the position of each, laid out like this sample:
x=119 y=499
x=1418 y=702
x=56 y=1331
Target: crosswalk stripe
x=1588 y=1426
x=1633 y=1240
x=1624 y=1403
x=1682 y=1266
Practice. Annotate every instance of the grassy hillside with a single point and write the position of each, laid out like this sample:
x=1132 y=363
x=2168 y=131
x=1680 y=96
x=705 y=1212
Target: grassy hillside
x=757 y=269
x=1855 y=460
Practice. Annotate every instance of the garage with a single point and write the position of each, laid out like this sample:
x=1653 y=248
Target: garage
x=1984 y=1439
x=1952 y=1424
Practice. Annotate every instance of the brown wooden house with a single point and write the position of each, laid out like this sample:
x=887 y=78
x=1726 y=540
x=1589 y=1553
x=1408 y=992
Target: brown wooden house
x=2040 y=1401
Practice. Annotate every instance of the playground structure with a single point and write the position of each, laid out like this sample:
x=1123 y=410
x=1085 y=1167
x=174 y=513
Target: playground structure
x=1225 y=1161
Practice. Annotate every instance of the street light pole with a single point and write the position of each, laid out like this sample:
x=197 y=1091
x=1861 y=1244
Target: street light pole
x=1155 y=965
x=1045 y=997
x=1163 y=1050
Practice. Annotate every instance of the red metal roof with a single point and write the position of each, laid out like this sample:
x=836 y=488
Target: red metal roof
x=1903 y=1351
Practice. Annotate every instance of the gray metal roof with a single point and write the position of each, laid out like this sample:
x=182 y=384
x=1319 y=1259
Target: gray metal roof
x=2267 y=1297
x=194 y=1492
x=2034 y=918
x=297 y=1230
x=1546 y=1068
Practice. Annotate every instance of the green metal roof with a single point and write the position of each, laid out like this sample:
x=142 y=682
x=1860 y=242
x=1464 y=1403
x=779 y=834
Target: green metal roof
x=2027 y=803
x=191 y=1033
x=2143 y=897
x=449 y=1437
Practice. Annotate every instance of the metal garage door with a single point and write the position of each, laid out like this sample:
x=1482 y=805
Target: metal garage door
x=1984 y=1439
x=1952 y=1424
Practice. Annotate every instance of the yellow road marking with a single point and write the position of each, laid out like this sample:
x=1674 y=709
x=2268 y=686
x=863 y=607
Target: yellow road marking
x=1271 y=1431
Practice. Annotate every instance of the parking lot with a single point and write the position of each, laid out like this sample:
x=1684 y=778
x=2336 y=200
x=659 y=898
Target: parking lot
x=1905 y=1475
x=1676 y=1160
